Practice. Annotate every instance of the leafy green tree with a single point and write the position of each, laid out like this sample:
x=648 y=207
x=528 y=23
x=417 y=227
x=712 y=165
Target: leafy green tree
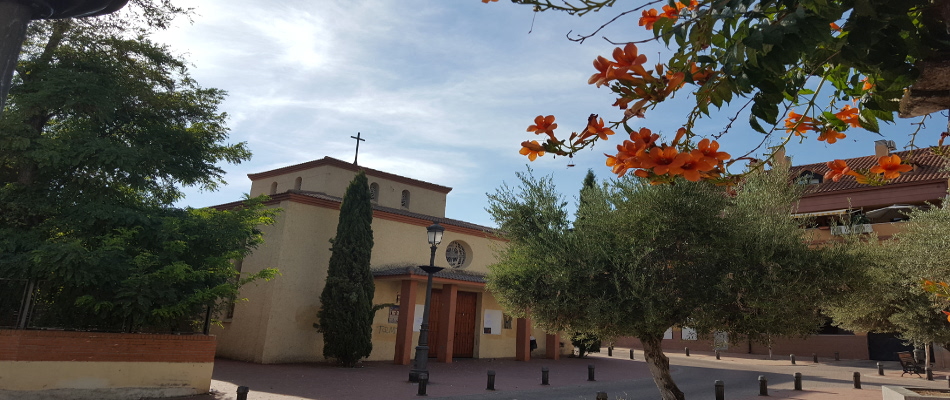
x=102 y=128
x=640 y=263
x=889 y=298
x=346 y=313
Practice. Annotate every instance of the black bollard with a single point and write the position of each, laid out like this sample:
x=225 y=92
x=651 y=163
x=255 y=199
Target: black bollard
x=948 y=380
x=687 y=352
x=837 y=358
x=857 y=380
x=717 y=354
x=590 y=372
x=930 y=374
x=880 y=369
x=814 y=357
x=763 y=386
x=792 y=356
x=242 y=392
x=631 y=354
x=610 y=351
x=491 y=380
x=544 y=376
x=423 y=382
x=798 y=381
x=720 y=390
x=601 y=396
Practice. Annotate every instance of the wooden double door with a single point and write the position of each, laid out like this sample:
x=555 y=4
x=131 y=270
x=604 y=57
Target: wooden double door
x=465 y=313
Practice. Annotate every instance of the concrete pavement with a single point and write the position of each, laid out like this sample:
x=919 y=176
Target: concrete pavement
x=618 y=376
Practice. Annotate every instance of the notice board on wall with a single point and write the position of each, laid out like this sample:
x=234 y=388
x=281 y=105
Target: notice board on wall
x=492 y=322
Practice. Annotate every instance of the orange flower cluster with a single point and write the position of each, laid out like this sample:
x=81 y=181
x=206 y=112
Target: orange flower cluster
x=887 y=168
x=662 y=162
x=798 y=124
x=638 y=83
x=649 y=17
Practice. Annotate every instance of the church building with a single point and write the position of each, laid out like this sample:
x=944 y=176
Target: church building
x=275 y=324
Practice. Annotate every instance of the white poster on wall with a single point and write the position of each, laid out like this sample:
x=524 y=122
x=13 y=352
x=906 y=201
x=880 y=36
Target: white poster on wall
x=689 y=333
x=493 y=321
x=417 y=320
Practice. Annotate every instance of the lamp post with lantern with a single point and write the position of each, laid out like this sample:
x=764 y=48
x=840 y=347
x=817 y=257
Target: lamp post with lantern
x=421 y=363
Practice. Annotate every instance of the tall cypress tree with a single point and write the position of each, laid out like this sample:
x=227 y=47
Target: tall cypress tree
x=346 y=314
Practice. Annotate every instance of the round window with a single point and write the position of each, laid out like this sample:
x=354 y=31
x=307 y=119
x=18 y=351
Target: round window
x=455 y=254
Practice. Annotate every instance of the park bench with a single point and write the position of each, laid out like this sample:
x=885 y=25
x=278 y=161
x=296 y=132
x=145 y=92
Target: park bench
x=909 y=364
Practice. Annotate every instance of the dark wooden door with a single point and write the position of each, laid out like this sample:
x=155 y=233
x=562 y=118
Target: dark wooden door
x=465 y=313
x=435 y=311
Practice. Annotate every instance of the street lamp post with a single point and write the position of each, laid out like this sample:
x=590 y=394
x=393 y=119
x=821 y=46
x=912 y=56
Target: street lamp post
x=421 y=364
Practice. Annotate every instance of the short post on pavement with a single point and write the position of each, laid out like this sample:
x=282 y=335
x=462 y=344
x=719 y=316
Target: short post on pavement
x=763 y=386
x=544 y=376
x=610 y=351
x=880 y=369
x=792 y=357
x=717 y=354
x=421 y=364
x=423 y=382
x=837 y=356
x=930 y=374
x=814 y=357
x=857 y=380
x=491 y=380
x=242 y=392
x=590 y=372
x=631 y=354
x=720 y=390
x=798 y=381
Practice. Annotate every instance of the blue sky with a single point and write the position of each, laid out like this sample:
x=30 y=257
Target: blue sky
x=442 y=91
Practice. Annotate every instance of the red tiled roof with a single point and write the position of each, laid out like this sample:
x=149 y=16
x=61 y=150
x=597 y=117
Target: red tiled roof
x=351 y=167
x=927 y=167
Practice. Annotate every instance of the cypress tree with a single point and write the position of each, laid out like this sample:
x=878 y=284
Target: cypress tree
x=346 y=314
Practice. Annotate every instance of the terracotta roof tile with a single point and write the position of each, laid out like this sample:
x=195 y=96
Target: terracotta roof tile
x=448 y=273
x=927 y=167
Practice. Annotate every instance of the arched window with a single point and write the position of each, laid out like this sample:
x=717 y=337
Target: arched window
x=297 y=183
x=405 y=199
x=273 y=188
x=809 y=178
x=374 y=192
x=457 y=255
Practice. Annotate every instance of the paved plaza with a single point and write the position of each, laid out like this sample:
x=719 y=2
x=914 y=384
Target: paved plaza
x=618 y=376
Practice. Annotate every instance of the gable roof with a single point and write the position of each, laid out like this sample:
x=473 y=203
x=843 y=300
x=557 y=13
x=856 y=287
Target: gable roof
x=330 y=161
x=928 y=167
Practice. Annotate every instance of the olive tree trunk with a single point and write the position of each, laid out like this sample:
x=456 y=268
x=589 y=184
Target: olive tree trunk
x=659 y=366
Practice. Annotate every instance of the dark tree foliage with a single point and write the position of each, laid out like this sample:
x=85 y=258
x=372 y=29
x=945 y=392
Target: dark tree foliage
x=346 y=313
x=102 y=128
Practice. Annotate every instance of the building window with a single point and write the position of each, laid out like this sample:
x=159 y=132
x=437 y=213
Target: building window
x=456 y=255
x=297 y=183
x=809 y=178
x=405 y=199
x=374 y=192
x=273 y=188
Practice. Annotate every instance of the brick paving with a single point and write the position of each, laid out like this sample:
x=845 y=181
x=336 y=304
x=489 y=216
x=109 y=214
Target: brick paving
x=621 y=378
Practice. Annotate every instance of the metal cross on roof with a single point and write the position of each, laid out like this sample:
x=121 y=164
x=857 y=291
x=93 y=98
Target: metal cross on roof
x=358 y=140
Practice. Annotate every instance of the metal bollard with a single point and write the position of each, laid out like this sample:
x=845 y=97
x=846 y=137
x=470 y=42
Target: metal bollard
x=948 y=381
x=857 y=380
x=792 y=356
x=880 y=369
x=242 y=392
x=763 y=386
x=423 y=382
x=837 y=358
x=720 y=390
x=717 y=354
x=631 y=354
x=610 y=351
x=590 y=372
x=491 y=380
x=601 y=396
x=814 y=357
x=930 y=374
x=544 y=376
x=687 y=352
x=798 y=381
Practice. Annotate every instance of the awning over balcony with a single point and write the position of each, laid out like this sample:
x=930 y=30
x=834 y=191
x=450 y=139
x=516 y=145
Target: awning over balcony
x=842 y=211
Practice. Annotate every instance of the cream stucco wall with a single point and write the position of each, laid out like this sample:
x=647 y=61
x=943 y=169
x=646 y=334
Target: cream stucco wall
x=102 y=380
x=333 y=181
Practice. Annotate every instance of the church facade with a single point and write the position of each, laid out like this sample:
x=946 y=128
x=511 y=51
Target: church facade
x=275 y=324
